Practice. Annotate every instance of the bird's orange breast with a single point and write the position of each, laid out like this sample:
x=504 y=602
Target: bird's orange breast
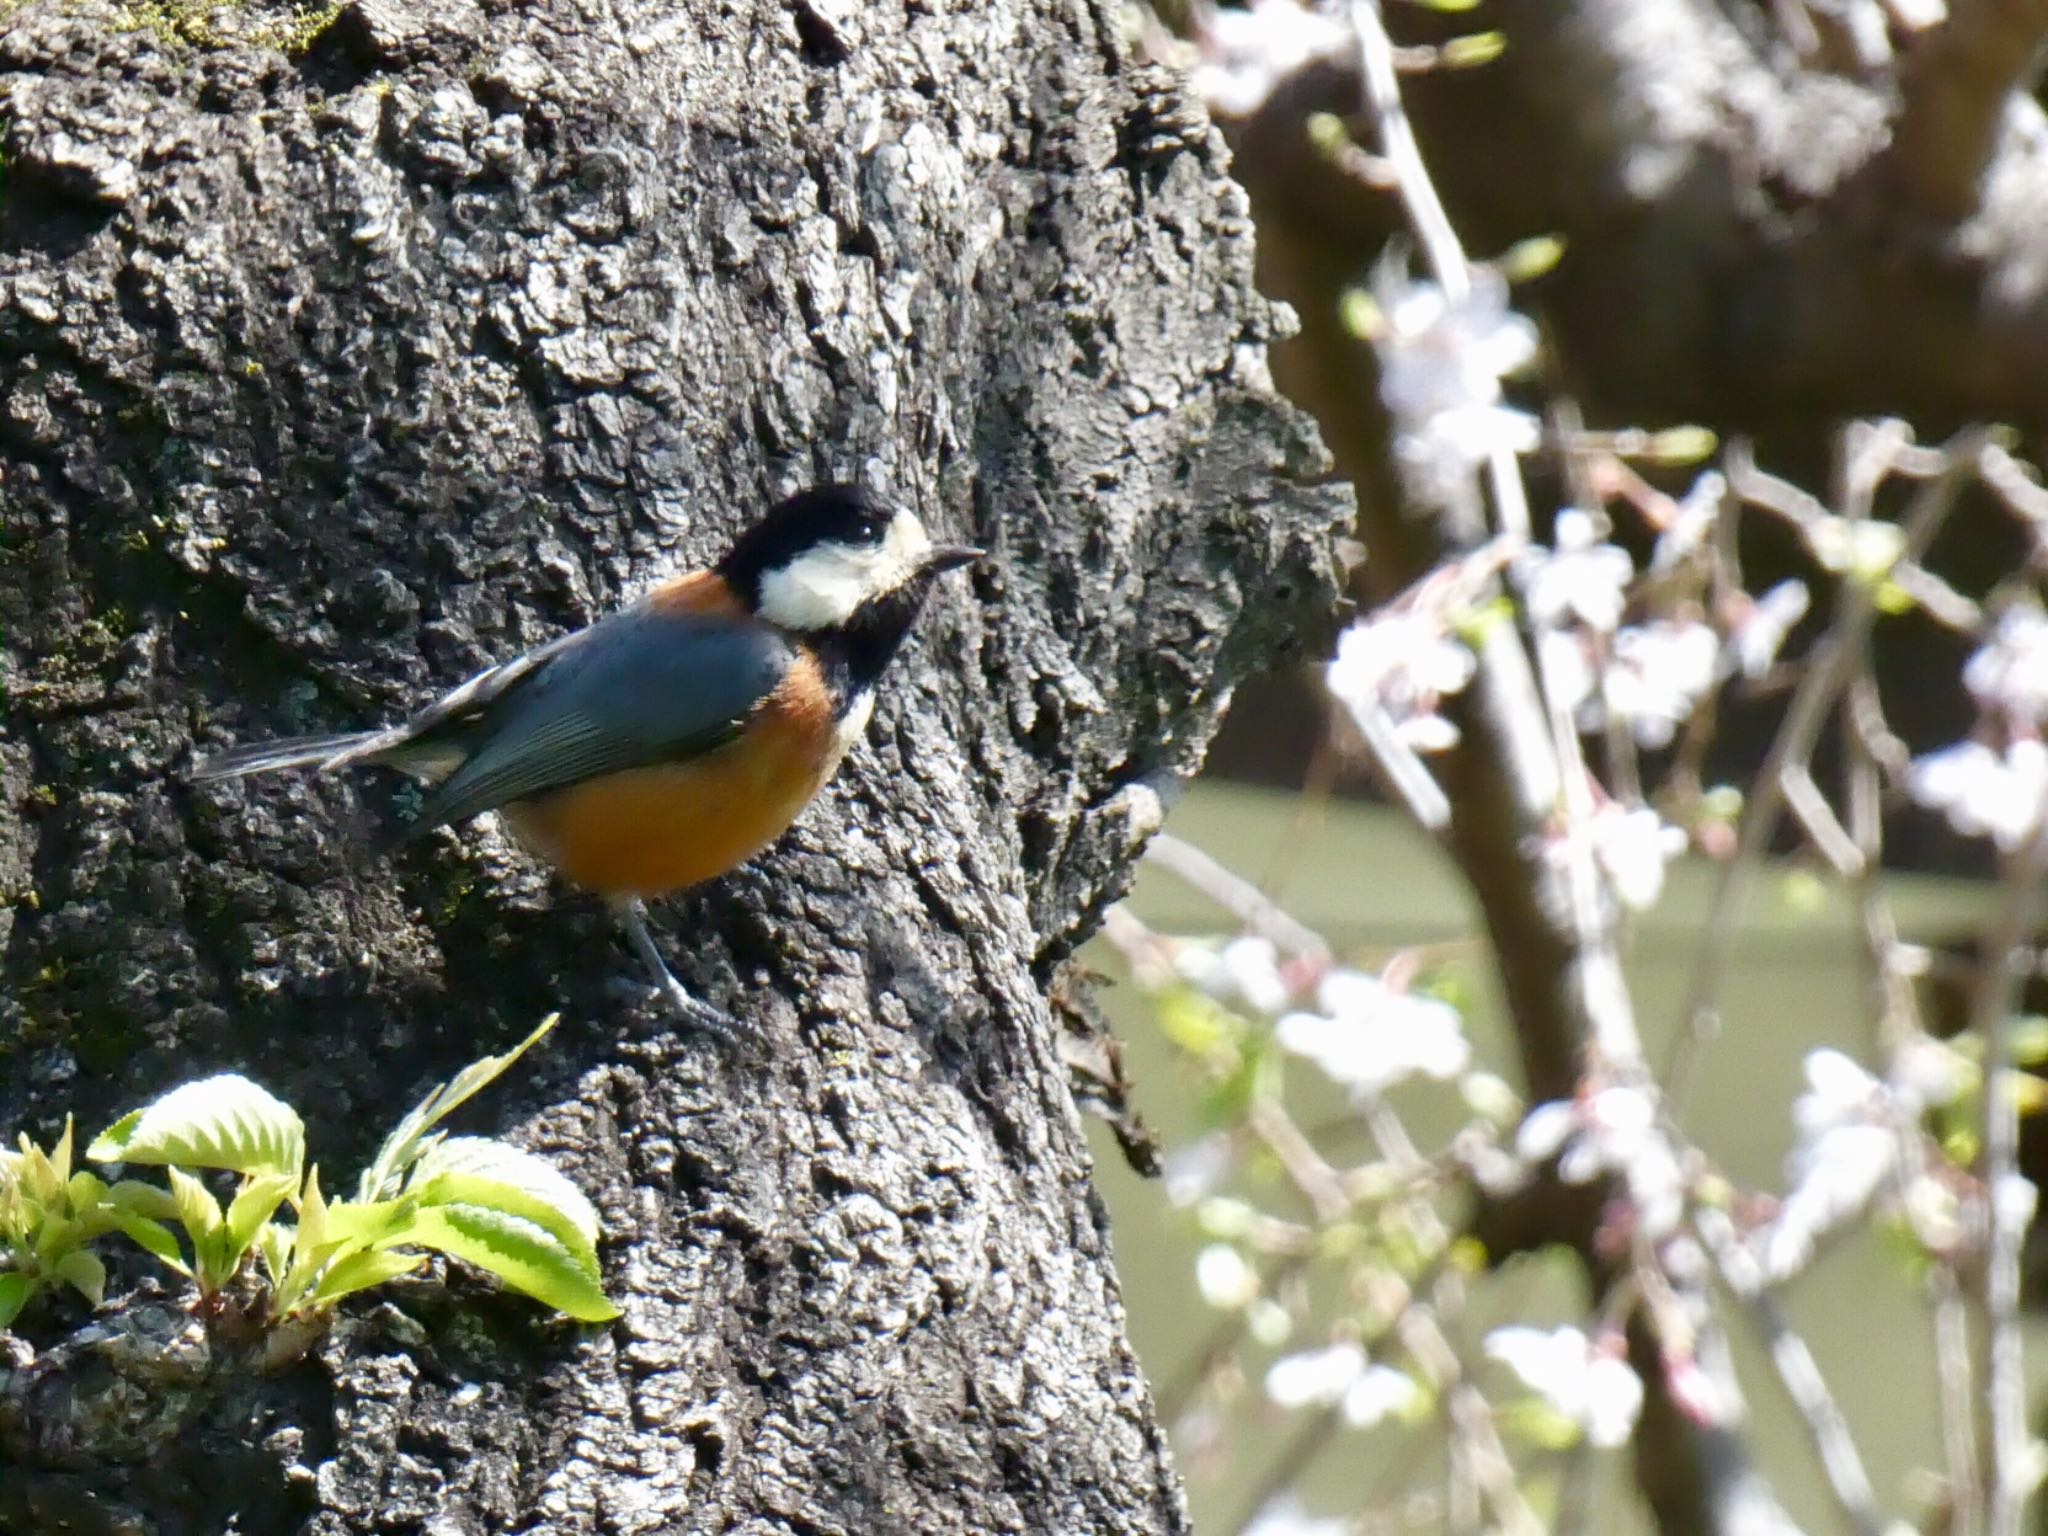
x=648 y=831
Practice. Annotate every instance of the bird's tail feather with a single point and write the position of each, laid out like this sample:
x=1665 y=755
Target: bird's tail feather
x=290 y=752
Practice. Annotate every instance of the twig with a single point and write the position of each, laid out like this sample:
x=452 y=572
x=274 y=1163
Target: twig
x=1797 y=1372
x=1441 y=248
x=1300 y=1451
x=1174 y=1395
x=1958 y=1399
x=1403 y=769
x=1997 y=994
x=1252 y=907
x=1828 y=673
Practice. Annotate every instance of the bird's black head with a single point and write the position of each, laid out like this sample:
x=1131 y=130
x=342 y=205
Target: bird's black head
x=842 y=566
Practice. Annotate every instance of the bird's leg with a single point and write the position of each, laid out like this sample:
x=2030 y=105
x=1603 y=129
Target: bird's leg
x=632 y=913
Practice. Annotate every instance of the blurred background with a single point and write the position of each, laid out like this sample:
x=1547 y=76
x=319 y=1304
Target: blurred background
x=1730 y=229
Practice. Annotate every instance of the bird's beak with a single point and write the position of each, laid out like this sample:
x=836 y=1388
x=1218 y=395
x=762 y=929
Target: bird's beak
x=948 y=557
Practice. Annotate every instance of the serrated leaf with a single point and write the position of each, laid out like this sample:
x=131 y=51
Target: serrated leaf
x=361 y=1270
x=152 y=1237
x=491 y=1161
x=60 y=1155
x=85 y=1193
x=82 y=1270
x=274 y=1248
x=366 y=1222
x=140 y=1199
x=312 y=1207
x=254 y=1204
x=198 y=1212
x=402 y=1146
x=464 y=1191
x=15 y=1290
x=525 y=1255
x=38 y=1176
x=218 y=1122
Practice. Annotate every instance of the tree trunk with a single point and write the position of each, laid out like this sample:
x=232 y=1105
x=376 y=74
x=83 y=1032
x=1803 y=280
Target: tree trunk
x=342 y=353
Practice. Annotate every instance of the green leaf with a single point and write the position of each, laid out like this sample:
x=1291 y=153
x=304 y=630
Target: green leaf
x=2029 y=1040
x=1531 y=258
x=274 y=1248
x=15 y=1290
x=86 y=1194
x=140 y=1199
x=1360 y=315
x=361 y=1270
x=1535 y=1421
x=402 y=1146
x=153 y=1237
x=466 y=1192
x=525 y=1255
x=38 y=1176
x=60 y=1155
x=483 y=1159
x=312 y=1207
x=254 y=1204
x=1471 y=51
x=218 y=1122
x=82 y=1270
x=1196 y=1022
x=199 y=1214
x=315 y=1245
x=367 y=1222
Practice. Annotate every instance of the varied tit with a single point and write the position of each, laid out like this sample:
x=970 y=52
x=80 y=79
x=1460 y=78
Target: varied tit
x=674 y=739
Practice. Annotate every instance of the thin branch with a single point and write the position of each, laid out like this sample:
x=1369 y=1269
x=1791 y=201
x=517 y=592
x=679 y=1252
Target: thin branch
x=1826 y=1428
x=1552 y=928
x=1404 y=770
x=1252 y=907
x=1997 y=994
x=1829 y=672
x=1958 y=1399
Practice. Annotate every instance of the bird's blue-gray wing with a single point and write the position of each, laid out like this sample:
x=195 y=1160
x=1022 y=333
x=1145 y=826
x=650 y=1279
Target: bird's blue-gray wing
x=640 y=688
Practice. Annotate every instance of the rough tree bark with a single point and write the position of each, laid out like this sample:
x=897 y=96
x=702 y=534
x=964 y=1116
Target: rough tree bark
x=341 y=353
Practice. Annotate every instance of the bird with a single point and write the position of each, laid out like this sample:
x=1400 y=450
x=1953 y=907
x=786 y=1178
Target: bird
x=675 y=738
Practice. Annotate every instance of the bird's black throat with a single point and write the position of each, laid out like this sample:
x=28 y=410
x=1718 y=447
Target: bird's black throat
x=857 y=652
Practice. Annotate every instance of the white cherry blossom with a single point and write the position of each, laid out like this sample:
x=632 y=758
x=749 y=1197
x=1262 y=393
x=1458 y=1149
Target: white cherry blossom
x=2009 y=673
x=1441 y=363
x=1242 y=56
x=1403 y=664
x=1285 y=1516
x=1369 y=1037
x=1590 y=1384
x=1985 y=791
x=1580 y=578
x=1632 y=848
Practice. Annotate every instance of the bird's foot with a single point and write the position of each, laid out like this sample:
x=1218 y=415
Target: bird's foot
x=692 y=1011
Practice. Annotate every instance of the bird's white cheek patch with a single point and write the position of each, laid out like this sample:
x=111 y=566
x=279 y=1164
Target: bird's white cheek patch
x=825 y=587
x=818 y=591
